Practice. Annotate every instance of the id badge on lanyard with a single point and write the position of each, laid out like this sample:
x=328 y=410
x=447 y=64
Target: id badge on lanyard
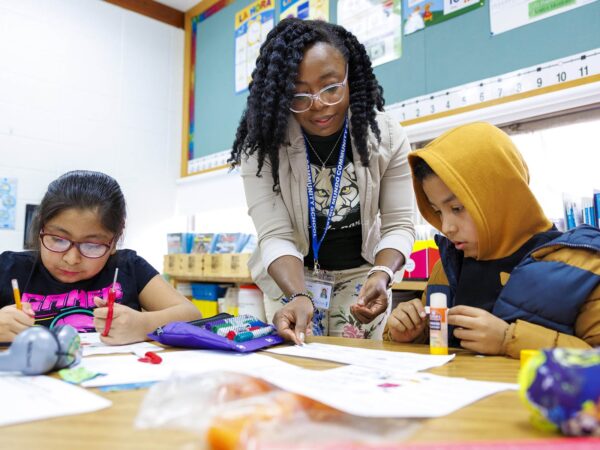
x=318 y=282
x=320 y=285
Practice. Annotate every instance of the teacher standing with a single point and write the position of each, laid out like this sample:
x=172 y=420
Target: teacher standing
x=327 y=183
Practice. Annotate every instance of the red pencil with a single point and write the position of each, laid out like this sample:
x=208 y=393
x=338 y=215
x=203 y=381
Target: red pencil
x=111 y=304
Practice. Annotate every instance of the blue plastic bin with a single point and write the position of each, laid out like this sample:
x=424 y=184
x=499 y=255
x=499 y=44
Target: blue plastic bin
x=207 y=291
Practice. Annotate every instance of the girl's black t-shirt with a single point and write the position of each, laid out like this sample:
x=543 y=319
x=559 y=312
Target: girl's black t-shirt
x=341 y=248
x=57 y=303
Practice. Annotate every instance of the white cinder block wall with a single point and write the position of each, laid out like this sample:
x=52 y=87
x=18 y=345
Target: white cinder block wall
x=87 y=85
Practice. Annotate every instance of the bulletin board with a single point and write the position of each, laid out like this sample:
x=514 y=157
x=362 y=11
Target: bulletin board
x=449 y=54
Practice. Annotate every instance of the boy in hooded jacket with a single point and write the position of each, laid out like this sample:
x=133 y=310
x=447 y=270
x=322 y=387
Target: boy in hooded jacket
x=512 y=280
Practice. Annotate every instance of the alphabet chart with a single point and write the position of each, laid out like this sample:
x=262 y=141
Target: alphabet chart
x=561 y=73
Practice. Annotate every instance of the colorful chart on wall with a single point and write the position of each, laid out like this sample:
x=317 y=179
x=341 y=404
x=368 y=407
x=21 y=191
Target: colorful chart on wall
x=506 y=15
x=8 y=203
x=304 y=9
x=252 y=24
x=419 y=14
x=376 y=24
x=561 y=73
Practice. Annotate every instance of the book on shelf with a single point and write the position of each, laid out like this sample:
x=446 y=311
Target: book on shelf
x=179 y=243
x=586 y=210
x=202 y=242
x=229 y=242
x=597 y=207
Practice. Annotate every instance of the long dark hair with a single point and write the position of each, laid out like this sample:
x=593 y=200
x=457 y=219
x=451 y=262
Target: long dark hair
x=85 y=190
x=263 y=125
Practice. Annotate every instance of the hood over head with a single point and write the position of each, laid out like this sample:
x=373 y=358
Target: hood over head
x=481 y=165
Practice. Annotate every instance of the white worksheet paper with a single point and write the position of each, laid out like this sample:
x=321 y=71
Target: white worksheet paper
x=360 y=391
x=377 y=359
x=127 y=369
x=92 y=345
x=368 y=392
x=27 y=398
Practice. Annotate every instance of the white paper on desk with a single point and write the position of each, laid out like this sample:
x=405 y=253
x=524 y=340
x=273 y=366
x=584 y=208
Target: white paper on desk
x=27 y=398
x=92 y=345
x=127 y=369
x=377 y=359
x=368 y=392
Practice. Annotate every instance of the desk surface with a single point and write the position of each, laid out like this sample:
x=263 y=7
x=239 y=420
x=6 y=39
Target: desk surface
x=501 y=416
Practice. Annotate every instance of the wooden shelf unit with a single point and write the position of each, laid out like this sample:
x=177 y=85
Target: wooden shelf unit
x=405 y=285
x=215 y=279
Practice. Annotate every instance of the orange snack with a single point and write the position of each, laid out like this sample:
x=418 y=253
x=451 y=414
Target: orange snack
x=237 y=427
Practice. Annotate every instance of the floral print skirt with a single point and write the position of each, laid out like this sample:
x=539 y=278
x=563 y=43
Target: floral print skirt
x=338 y=321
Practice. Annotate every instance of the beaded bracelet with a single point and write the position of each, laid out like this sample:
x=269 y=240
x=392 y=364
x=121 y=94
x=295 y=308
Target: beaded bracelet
x=302 y=294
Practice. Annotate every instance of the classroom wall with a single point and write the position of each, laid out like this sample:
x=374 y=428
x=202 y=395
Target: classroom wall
x=562 y=154
x=88 y=85
x=449 y=54
x=85 y=84
x=212 y=202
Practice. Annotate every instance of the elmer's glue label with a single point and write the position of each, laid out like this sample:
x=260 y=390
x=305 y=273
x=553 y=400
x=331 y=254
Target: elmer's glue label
x=438 y=324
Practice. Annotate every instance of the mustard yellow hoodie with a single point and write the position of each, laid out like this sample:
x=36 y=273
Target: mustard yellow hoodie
x=483 y=168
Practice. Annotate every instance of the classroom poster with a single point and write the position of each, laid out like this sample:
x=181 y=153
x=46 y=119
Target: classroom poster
x=8 y=203
x=376 y=24
x=304 y=9
x=252 y=24
x=419 y=14
x=506 y=15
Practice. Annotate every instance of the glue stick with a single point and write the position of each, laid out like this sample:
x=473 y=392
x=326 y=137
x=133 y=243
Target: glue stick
x=438 y=324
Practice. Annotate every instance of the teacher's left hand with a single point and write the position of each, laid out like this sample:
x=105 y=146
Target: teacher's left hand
x=372 y=298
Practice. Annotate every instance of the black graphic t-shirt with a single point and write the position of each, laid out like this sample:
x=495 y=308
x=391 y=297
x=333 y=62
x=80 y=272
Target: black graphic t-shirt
x=342 y=244
x=56 y=303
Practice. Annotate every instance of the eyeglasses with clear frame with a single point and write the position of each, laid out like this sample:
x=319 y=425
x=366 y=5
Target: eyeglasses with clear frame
x=59 y=244
x=329 y=95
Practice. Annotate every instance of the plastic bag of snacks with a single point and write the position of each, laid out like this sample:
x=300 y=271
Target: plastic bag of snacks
x=562 y=389
x=232 y=411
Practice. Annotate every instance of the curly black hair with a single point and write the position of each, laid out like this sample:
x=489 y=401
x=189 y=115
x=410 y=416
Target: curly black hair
x=263 y=125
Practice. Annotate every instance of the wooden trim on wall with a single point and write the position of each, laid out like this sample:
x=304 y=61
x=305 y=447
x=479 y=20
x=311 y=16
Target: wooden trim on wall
x=200 y=8
x=154 y=10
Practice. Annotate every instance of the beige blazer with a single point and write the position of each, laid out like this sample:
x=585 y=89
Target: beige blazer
x=281 y=219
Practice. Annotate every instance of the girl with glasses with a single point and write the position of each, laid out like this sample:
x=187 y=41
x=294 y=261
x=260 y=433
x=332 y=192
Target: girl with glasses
x=66 y=278
x=327 y=183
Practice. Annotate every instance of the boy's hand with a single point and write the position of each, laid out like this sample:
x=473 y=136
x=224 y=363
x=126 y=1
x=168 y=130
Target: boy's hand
x=13 y=321
x=372 y=298
x=407 y=321
x=127 y=324
x=477 y=329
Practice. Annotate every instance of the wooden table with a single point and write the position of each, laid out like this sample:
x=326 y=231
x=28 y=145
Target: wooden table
x=501 y=416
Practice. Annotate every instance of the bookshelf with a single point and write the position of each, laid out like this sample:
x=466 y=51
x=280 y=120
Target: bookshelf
x=406 y=285
x=209 y=279
x=232 y=268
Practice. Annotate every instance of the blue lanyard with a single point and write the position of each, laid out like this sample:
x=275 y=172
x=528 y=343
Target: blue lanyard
x=316 y=242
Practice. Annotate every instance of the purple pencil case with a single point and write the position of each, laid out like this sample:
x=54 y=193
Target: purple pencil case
x=200 y=334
